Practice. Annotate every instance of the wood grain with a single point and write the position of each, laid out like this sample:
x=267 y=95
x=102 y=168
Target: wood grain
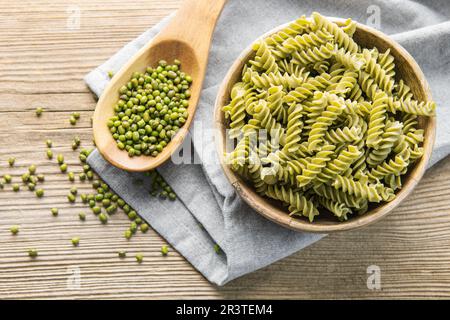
x=43 y=63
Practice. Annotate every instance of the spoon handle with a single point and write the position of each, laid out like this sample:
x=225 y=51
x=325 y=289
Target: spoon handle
x=194 y=24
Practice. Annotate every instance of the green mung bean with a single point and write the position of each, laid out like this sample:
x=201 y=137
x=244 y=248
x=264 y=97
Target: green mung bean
x=71 y=197
x=132 y=215
x=11 y=161
x=39 y=111
x=32 y=169
x=144 y=227
x=103 y=218
x=25 y=177
x=49 y=154
x=164 y=250
x=111 y=209
x=33 y=253
x=54 y=211
x=133 y=227
x=14 y=229
x=75 y=241
x=96 y=210
x=63 y=167
x=7 y=178
x=40 y=193
x=16 y=187
x=139 y=258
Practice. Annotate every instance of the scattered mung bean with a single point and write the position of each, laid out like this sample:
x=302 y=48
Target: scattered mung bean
x=33 y=253
x=139 y=258
x=60 y=158
x=71 y=197
x=144 y=227
x=14 y=229
x=32 y=169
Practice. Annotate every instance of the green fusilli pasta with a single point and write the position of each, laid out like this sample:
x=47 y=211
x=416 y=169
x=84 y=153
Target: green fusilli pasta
x=321 y=124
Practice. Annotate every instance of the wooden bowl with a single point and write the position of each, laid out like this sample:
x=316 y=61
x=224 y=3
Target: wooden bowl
x=406 y=68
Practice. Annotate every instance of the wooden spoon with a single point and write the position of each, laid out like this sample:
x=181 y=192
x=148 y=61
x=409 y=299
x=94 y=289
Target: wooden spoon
x=187 y=38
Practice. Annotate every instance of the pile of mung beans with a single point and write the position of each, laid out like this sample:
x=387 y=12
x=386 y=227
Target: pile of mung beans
x=151 y=108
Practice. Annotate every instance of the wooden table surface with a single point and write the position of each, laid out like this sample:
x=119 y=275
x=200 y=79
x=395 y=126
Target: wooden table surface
x=44 y=55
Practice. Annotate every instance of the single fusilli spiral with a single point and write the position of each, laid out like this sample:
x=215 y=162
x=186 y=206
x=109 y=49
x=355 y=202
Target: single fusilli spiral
x=266 y=80
x=388 y=140
x=315 y=165
x=314 y=54
x=377 y=120
x=294 y=128
x=340 y=210
x=264 y=60
x=341 y=38
x=323 y=122
x=384 y=82
x=339 y=165
x=356 y=188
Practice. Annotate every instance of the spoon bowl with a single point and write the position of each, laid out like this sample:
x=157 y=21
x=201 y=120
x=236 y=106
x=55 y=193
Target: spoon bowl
x=187 y=42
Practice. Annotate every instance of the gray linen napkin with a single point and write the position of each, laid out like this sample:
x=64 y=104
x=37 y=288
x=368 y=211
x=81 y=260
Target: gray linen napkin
x=208 y=210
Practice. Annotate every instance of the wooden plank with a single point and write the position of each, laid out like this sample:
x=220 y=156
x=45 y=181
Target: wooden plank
x=43 y=64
